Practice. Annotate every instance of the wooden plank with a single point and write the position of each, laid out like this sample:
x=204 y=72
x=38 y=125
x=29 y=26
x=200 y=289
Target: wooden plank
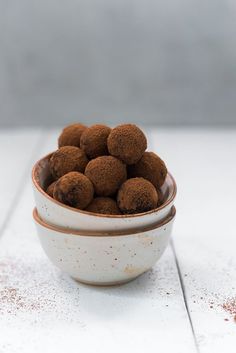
x=16 y=150
x=147 y=314
x=203 y=162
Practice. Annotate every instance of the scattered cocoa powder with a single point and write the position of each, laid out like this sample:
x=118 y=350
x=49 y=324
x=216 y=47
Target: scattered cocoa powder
x=230 y=306
x=26 y=288
x=12 y=297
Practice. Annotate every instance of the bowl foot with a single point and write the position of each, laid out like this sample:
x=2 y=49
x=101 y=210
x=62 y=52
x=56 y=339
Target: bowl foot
x=106 y=284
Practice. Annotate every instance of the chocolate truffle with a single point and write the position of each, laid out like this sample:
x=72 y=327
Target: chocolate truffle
x=71 y=134
x=103 y=205
x=93 y=141
x=106 y=173
x=150 y=167
x=50 y=189
x=67 y=159
x=127 y=142
x=137 y=195
x=74 y=189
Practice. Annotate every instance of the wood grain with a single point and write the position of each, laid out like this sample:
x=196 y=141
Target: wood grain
x=17 y=149
x=203 y=162
x=174 y=307
x=59 y=315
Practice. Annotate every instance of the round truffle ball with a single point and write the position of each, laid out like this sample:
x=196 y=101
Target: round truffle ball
x=103 y=205
x=71 y=134
x=74 y=189
x=137 y=195
x=127 y=142
x=150 y=167
x=106 y=173
x=67 y=159
x=93 y=141
x=50 y=189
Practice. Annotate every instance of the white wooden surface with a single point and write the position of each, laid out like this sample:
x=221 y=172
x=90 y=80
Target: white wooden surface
x=176 y=307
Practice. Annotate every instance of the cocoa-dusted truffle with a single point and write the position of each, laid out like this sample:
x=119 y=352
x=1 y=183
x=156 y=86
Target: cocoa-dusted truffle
x=50 y=189
x=94 y=140
x=106 y=173
x=71 y=134
x=127 y=142
x=74 y=189
x=103 y=205
x=67 y=159
x=150 y=167
x=137 y=195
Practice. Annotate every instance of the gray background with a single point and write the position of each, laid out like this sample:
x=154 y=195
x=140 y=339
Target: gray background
x=149 y=61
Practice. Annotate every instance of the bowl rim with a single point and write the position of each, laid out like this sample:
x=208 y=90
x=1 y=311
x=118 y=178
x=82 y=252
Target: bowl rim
x=92 y=233
x=93 y=214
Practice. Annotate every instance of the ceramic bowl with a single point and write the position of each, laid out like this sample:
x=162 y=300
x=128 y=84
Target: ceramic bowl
x=103 y=258
x=58 y=214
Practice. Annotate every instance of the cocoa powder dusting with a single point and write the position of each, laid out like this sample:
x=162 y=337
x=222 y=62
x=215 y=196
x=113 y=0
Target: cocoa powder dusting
x=107 y=173
x=25 y=288
x=74 y=189
x=137 y=195
x=71 y=134
x=12 y=297
x=94 y=140
x=150 y=167
x=127 y=142
x=67 y=159
x=230 y=306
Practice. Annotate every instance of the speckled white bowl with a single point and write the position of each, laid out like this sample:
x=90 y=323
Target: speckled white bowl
x=104 y=258
x=55 y=213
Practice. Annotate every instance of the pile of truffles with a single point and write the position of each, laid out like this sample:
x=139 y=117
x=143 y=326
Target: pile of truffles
x=107 y=171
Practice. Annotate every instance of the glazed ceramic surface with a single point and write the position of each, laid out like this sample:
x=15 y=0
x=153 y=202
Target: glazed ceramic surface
x=104 y=259
x=55 y=213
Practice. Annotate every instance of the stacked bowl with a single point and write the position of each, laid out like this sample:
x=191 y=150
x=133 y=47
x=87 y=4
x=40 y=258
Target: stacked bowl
x=101 y=249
